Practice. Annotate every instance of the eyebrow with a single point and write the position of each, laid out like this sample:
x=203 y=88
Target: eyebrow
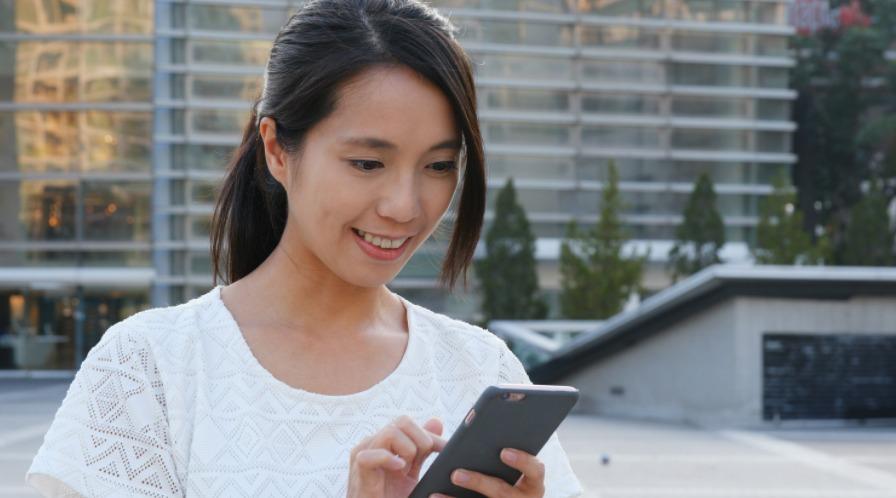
x=378 y=143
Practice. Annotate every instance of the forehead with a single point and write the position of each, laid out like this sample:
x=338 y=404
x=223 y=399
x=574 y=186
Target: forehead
x=393 y=103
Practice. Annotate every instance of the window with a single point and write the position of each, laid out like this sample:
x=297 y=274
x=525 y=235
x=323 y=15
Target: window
x=515 y=32
x=116 y=210
x=82 y=16
x=525 y=100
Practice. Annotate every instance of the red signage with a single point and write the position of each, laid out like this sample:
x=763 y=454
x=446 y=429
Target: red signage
x=810 y=16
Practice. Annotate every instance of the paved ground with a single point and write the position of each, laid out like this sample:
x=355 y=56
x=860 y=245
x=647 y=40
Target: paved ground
x=646 y=460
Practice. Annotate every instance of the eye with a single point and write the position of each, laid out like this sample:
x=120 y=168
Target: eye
x=444 y=166
x=365 y=165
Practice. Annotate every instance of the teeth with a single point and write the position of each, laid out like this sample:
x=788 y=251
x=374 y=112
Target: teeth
x=381 y=241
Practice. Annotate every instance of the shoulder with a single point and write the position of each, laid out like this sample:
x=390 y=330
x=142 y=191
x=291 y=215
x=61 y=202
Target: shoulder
x=458 y=336
x=157 y=324
x=152 y=335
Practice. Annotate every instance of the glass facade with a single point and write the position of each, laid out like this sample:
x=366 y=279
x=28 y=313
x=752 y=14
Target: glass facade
x=76 y=128
x=117 y=118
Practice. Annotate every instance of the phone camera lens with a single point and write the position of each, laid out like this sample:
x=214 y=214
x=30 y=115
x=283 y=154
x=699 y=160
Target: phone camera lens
x=505 y=396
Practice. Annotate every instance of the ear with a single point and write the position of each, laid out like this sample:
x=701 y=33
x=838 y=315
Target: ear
x=274 y=154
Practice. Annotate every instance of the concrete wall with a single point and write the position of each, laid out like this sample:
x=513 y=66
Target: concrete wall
x=707 y=369
x=757 y=316
x=679 y=374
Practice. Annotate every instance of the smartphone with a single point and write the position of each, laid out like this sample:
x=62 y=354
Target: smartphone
x=521 y=416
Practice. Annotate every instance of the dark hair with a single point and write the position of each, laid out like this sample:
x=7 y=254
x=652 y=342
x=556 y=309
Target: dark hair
x=323 y=45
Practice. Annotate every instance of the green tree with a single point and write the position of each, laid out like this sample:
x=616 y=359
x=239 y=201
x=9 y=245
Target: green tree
x=837 y=108
x=701 y=234
x=869 y=232
x=597 y=278
x=507 y=276
x=781 y=238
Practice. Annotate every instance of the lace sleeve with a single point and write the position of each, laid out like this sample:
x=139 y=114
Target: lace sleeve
x=560 y=481
x=110 y=436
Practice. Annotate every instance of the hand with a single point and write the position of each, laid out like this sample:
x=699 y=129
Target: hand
x=530 y=484
x=387 y=464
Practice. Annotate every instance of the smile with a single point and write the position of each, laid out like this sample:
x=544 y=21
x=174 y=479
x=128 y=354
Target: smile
x=380 y=247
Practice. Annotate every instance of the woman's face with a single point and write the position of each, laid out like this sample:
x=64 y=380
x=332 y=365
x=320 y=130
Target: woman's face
x=372 y=180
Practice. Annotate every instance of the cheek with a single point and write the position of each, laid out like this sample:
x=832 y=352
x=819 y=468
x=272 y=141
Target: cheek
x=437 y=196
x=325 y=206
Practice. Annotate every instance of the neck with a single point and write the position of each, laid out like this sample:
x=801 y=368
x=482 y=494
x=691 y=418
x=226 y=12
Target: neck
x=296 y=291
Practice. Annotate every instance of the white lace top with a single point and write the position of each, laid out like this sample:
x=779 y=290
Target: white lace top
x=172 y=402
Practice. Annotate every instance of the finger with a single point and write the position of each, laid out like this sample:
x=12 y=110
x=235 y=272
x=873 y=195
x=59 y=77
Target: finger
x=378 y=458
x=483 y=484
x=531 y=467
x=394 y=439
x=434 y=426
x=426 y=442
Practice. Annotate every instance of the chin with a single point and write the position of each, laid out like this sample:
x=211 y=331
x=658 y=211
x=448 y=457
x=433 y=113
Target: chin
x=371 y=280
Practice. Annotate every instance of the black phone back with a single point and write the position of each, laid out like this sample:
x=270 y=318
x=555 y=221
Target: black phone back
x=499 y=419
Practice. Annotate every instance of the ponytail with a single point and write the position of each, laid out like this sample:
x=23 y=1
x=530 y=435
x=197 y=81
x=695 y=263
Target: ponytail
x=250 y=214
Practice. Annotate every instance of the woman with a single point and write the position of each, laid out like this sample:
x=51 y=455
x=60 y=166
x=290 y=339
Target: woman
x=306 y=376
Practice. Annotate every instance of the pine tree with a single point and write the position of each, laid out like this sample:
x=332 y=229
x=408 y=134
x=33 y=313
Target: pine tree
x=869 y=232
x=597 y=279
x=701 y=235
x=781 y=238
x=507 y=275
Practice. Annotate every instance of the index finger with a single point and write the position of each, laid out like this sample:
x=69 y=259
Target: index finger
x=426 y=441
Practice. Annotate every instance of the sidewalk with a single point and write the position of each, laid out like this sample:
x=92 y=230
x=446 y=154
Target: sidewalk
x=646 y=460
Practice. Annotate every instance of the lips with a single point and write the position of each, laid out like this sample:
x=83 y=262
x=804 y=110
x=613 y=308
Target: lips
x=377 y=252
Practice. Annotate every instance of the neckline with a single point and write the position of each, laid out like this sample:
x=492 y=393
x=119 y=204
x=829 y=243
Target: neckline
x=254 y=364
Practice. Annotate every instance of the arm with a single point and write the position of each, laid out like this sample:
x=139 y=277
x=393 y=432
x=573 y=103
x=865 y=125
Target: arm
x=110 y=436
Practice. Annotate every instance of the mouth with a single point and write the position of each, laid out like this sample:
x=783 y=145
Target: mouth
x=380 y=247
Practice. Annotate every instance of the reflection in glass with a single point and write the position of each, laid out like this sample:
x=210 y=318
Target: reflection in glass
x=518 y=66
x=626 y=8
x=709 y=75
x=67 y=71
x=116 y=211
x=53 y=17
x=609 y=103
x=218 y=120
x=530 y=167
x=710 y=107
x=237 y=19
x=555 y=6
x=619 y=37
x=225 y=87
x=514 y=32
x=39 y=210
x=620 y=136
x=204 y=192
x=529 y=100
x=623 y=71
x=65 y=257
x=528 y=133
x=728 y=140
x=242 y=53
x=88 y=141
x=200 y=264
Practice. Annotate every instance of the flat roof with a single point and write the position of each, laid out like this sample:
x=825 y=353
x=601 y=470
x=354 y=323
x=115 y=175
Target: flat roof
x=709 y=286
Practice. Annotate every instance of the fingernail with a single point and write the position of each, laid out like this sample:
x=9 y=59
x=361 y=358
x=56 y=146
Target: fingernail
x=509 y=455
x=460 y=476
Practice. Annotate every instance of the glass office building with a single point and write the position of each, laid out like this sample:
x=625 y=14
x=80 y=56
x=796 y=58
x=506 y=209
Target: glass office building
x=119 y=117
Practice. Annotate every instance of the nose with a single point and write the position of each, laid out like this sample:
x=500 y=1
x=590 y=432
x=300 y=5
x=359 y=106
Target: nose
x=400 y=200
